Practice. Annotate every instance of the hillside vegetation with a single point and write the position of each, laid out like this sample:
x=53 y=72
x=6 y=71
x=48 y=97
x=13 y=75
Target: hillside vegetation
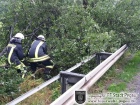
x=73 y=30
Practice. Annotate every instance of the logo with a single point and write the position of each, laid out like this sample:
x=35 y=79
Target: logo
x=80 y=97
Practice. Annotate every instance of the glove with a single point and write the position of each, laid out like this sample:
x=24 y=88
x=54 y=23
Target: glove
x=23 y=59
x=24 y=73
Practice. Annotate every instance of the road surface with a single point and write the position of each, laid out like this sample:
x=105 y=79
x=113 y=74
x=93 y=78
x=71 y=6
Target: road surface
x=134 y=86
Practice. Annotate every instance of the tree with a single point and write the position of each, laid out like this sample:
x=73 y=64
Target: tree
x=72 y=32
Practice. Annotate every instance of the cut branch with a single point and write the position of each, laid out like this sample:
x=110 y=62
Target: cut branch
x=11 y=32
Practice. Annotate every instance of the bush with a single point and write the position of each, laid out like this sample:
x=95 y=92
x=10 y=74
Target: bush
x=9 y=84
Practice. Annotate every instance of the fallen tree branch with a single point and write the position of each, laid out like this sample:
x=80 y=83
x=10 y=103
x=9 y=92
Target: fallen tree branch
x=11 y=32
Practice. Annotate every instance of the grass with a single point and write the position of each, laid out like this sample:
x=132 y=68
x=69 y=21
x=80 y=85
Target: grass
x=43 y=97
x=130 y=69
x=40 y=98
x=120 y=74
x=116 y=78
x=117 y=87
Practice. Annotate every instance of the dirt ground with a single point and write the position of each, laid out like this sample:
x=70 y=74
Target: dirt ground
x=134 y=87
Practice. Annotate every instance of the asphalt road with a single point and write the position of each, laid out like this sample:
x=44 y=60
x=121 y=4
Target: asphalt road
x=134 y=87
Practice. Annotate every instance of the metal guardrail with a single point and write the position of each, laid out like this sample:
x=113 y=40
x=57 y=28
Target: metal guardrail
x=29 y=93
x=86 y=82
x=69 y=78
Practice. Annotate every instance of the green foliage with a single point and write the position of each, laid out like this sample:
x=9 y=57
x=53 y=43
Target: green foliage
x=117 y=87
x=55 y=94
x=130 y=69
x=55 y=87
x=2 y=60
x=9 y=84
x=120 y=16
x=73 y=36
x=72 y=32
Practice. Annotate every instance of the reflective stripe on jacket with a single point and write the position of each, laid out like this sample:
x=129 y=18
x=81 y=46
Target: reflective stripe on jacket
x=38 y=51
x=15 y=51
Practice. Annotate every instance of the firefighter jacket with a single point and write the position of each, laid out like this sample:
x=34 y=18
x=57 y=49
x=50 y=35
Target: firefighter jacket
x=15 y=51
x=38 y=51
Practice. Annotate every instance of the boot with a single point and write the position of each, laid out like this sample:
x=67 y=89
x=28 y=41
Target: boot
x=47 y=71
x=46 y=77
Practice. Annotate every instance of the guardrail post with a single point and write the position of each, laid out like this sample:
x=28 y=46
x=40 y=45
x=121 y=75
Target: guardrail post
x=69 y=78
x=102 y=56
x=63 y=83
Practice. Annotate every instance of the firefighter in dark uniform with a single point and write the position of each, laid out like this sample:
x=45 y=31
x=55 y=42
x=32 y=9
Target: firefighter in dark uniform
x=15 y=53
x=38 y=55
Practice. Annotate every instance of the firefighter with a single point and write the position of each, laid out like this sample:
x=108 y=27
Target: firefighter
x=15 y=53
x=38 y=55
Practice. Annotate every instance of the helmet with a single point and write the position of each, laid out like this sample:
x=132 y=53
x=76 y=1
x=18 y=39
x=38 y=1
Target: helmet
x=41 y=37
x=19 y=35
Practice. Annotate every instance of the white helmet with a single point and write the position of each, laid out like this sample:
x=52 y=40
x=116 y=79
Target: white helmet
x=19 y=35
x=41 y=37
